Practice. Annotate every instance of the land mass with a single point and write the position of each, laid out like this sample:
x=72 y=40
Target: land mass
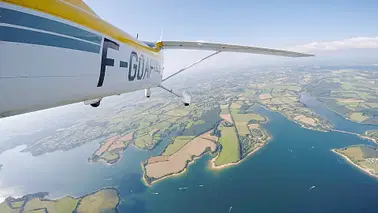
x=240 y=134
x=372 y=135
x=153 y=120
x=348 y=92
x=178 y=156
x=104 y=200
x=234 y=138
x=364 y=157
x=109 y=151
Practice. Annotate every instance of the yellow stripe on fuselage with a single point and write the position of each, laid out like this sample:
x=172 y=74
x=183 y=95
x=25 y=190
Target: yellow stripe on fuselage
x=75 y=11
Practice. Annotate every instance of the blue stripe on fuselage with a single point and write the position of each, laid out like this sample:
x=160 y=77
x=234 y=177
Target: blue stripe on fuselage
x=18 y=35
x=18 y=18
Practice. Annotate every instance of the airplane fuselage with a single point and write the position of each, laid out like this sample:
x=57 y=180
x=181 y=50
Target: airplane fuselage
x=50 y=58
x=58 y=52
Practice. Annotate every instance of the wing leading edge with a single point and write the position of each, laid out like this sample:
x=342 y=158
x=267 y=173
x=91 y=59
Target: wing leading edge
x=199 y=45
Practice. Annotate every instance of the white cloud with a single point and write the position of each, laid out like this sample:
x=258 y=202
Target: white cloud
x=349 y=43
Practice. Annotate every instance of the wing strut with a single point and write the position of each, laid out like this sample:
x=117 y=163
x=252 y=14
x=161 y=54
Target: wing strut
x=192 y=65
x=185 y=97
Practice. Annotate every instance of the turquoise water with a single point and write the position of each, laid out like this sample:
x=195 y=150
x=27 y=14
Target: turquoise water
x=275 y=179
x=68 y=173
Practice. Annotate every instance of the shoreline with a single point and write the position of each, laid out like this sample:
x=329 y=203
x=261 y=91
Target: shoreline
x=357 y=134
x=296 y=122
x=45 y=196
x=211 y=163
x=171 y=175
x=214 y=167
x=326 y=106
x=365 y=170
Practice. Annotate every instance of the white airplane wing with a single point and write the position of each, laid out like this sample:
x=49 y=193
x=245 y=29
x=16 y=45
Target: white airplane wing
x=200 y=45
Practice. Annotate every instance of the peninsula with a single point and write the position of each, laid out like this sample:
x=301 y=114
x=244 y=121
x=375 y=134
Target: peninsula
x=364 y=157
x=177 y=156
x=236 y=136
x=104 y=200
x=109 y=151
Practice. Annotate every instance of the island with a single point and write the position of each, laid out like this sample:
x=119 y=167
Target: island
x=235 y=137
x=104 y=200
x=364 y=157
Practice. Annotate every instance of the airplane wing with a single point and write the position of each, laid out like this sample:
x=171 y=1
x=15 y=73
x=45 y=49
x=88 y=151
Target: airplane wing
x=200 y=45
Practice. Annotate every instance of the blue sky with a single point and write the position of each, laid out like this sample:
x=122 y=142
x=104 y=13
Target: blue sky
x=327 y=28
x=266 y=23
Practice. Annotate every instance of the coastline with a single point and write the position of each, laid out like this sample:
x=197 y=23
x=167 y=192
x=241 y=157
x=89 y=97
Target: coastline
x=173 y=174
x=357 y=134
x=346 y=118
x=365 y=170
x=214 y=167
x=44 y=196
x=296 y=122
x=211 y=162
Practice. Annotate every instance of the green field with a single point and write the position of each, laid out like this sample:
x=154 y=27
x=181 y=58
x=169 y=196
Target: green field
x=235 y=106
x=372 y=133
x=6 y=209
x=17 y=204
x=66 y=204
x=144 y=141
x=178 y=112
x=246 y=117
x=193 y=123
x=104 y=200
x=242 y=128
x=177 y=144
x=109 y=156
x=230 y=147
x=270 y=87
x=37 y=211
x=358 y=117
